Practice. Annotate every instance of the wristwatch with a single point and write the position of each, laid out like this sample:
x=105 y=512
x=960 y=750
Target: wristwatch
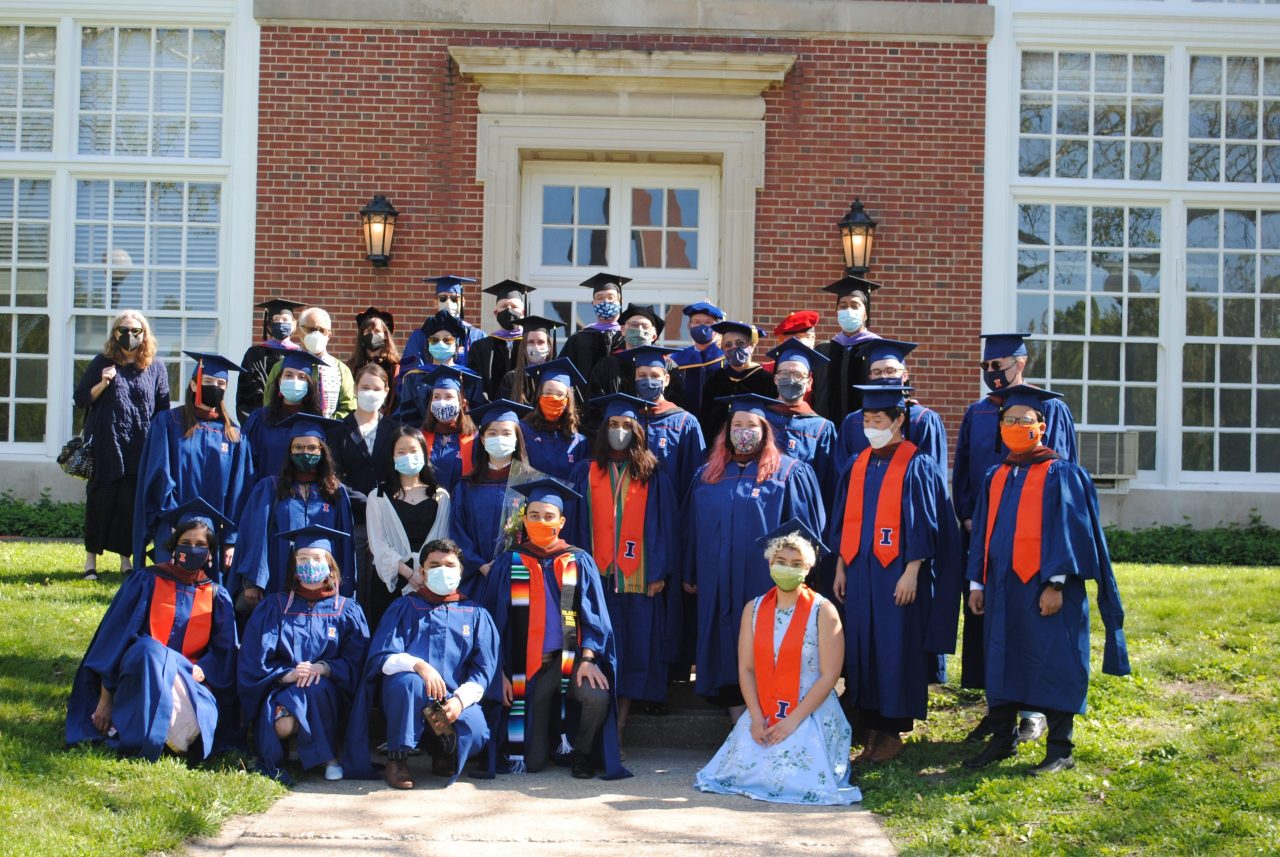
x=1057 y=585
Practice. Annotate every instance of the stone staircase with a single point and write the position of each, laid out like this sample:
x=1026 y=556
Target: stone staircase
x=691 y=723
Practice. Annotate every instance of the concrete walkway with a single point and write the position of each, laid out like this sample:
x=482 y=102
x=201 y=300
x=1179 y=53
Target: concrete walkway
x=545 y=815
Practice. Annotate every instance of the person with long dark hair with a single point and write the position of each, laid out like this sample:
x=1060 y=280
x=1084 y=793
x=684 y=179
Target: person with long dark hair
x=375 y=344
x=122 y=389
x=551 y=429
x=538 y=347
x=294 y=389
x=279 y=326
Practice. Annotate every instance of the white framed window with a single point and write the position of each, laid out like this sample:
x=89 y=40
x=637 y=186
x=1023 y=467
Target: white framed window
x=1233 y=119
x=24 y=313
x=27 y=59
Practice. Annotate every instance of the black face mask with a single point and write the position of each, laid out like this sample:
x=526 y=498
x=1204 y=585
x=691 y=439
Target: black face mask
x=508 y=320
x=211 y=395
x=280 y=329
x=128 y=341
x=373 y=341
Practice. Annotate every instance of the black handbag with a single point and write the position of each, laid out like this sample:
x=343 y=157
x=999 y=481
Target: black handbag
x=76 y=458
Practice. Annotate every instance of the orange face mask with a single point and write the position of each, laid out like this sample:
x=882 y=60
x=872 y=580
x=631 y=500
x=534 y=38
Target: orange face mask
x=552 y=407
x=541 y=533
x=1022 y=438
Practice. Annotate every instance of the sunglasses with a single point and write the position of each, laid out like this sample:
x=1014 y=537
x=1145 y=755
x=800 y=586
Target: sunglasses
x=991 y=365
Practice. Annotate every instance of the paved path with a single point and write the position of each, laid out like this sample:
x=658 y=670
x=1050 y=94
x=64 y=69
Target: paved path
x=549 y=814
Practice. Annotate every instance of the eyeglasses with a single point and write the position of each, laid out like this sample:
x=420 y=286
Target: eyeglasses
x=308 y=449
x=799 y=377
x=441 y=340
x=886 y=373
x=314 y=328
x=135 y=331
x=1028 y=420
x=992 y=365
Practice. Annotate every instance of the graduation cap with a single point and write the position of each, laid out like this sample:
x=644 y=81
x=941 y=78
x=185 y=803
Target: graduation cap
x=537 y=322
x=885 y=349
x=309 y=425
x=279 y=305
x=1025 y=394
x=561 y=369
x=450 y=377
x=212 y=365
x=880 y=397
x=797 y=527
x=301 y=360
x=509 y=289
x=797 y=322
x=794 y=349
x=704 y=307
x=645 y=311
x=195 y=511
x=998 y=345
x=448 y=284
x=373 y=312
x=445 y=321
x=648 y=355
x=741 y=327
x=750 y=403
x=850 y=285
x=548 y=490
x=500 y=410
x=313 y=536
x=598 y=282
x=621 y=405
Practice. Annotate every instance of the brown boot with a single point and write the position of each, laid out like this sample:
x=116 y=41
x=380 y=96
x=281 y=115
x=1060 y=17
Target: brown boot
x=873 y=738
x=888 y=747
x=397 y=774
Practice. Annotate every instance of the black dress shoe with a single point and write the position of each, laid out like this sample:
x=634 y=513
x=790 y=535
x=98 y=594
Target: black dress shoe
x=580 y=766
x=984 y=729
x=444 y=765
x=992 y=753
x=1052 y=766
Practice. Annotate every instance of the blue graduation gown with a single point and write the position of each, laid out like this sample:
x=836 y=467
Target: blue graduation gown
x=459 y=639
x=891 y=651
x=925 y=431
x=140 y=670
x=550 y=453
x=694 y=368
x=810 y=438
x=175 y=469
x=415 y=386
x=723 y=560
x=282 y=632
x=268 y=442
x=446 y=460
x=638 y=621
x=476 y=514
x=1037 y=661
x=595 y=632
x=261 y=560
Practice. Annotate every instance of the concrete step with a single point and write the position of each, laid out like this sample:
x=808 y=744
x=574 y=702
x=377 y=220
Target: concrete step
x=690 y=724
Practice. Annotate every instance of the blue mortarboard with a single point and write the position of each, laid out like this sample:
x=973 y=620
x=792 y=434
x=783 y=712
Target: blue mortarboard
x=309 y=425
x=794 y=349
x=213 y=365
x=751 y=403
x=648 y=355
x=196 y=510
x=301 y=360
x=448 y=284
x=704 y=307
x=314 y=536
x=878 y=398
x=500 y=410
x=742 y=327
x=886 y=349
x=1025 y=394
x=998 y=345
x=446 y=321
x=561 y=369
x=450 y=377
x=800 y=528
x=621 y=405
x=596 y=282
x=548 y=490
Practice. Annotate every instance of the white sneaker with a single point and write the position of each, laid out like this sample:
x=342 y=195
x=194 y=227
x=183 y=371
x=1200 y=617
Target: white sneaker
x=332 y=771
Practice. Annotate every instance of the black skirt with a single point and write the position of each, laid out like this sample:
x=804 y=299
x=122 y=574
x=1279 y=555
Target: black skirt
x=108 y=516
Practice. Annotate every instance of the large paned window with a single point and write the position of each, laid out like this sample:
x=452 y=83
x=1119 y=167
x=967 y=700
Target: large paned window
x=27 y=56
x=1233 y=120
x=24 y=313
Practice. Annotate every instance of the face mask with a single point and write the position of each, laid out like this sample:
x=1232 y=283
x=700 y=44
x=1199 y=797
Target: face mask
x=739 y=356
x=311 y=571
x=1022 y=438
x=500 y=446
x=787 y=577
x=878 y=438
x=305 y=461
x=508 y=320
x=443 y=579
x=649 y=389
x=442 y=352
x=995 y=379
x=450 y=307
x=701 y=333
x=535 y=354
x=293 y=390
x=370 y=401
x=791 y=391
x=315 y=342
x=128 y=341
x=746 y=440
x=635 y=337
x=191 y=557
x=280 y=330
x=551 y=407
x=620 y=438
x=850 y=320
x=445 y=412
x=373 y=341
x=606 y=310
x=211 y=395
x=541 y=533
x=409 y=464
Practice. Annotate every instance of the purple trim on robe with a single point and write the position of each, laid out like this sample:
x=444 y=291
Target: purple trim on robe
x=846 y=341
x=605 y=326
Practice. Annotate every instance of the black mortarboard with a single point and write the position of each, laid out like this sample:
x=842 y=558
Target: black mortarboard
x=373 y=312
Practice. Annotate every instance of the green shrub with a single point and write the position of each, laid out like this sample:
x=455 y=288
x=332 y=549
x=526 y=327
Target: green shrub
x=43 y=519
x=1255 y=543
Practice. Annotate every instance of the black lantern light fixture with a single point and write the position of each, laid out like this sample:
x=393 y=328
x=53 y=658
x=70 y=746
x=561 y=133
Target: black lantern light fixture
x=378 y=220
x=857 y=235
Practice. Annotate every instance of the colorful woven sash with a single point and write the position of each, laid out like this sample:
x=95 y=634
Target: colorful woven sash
x=164 y=606
x=778 y=682
x=618 y=505
x=888 y=507
x=1027 y=529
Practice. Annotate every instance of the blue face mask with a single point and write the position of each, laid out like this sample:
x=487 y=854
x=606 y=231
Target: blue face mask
x=738 y=356
x=293 y=390
x=408 y=465
x=191 y=557
x=850 y=320
x=305 y=461
x=311 y=571
x=442 y=352
x=280 y=330
x=701 y=333
x=649 y=389
x=607 y=309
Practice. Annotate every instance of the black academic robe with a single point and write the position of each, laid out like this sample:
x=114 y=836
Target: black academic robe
x=833 y=393
x=251 y=383
x=588 y=347
x=727 y=382
x=492 y=358
x=359 y=469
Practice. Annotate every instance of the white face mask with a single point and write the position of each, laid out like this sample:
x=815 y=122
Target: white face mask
x=878 y=438
x=443 y=579
x=370 y=401
x=315 y=342
x=500 y=446
x=536 y=354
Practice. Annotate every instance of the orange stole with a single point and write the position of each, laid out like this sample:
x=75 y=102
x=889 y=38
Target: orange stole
x=1028 y=529
x=606 y=536
x=888 y=506
x=565 y=566
x=465 y=442
x=778 y=683
x=164 y=604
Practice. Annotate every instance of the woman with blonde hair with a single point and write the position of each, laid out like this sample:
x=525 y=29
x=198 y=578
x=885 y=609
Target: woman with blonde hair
x=122 y=389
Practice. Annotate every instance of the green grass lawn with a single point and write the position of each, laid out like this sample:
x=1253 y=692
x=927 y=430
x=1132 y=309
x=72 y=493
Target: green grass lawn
x=1180 y=758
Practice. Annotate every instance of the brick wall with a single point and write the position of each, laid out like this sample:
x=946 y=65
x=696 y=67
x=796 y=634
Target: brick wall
x=346 y=113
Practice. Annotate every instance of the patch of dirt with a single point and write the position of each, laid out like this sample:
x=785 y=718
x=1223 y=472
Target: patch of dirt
x=1202 y=691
